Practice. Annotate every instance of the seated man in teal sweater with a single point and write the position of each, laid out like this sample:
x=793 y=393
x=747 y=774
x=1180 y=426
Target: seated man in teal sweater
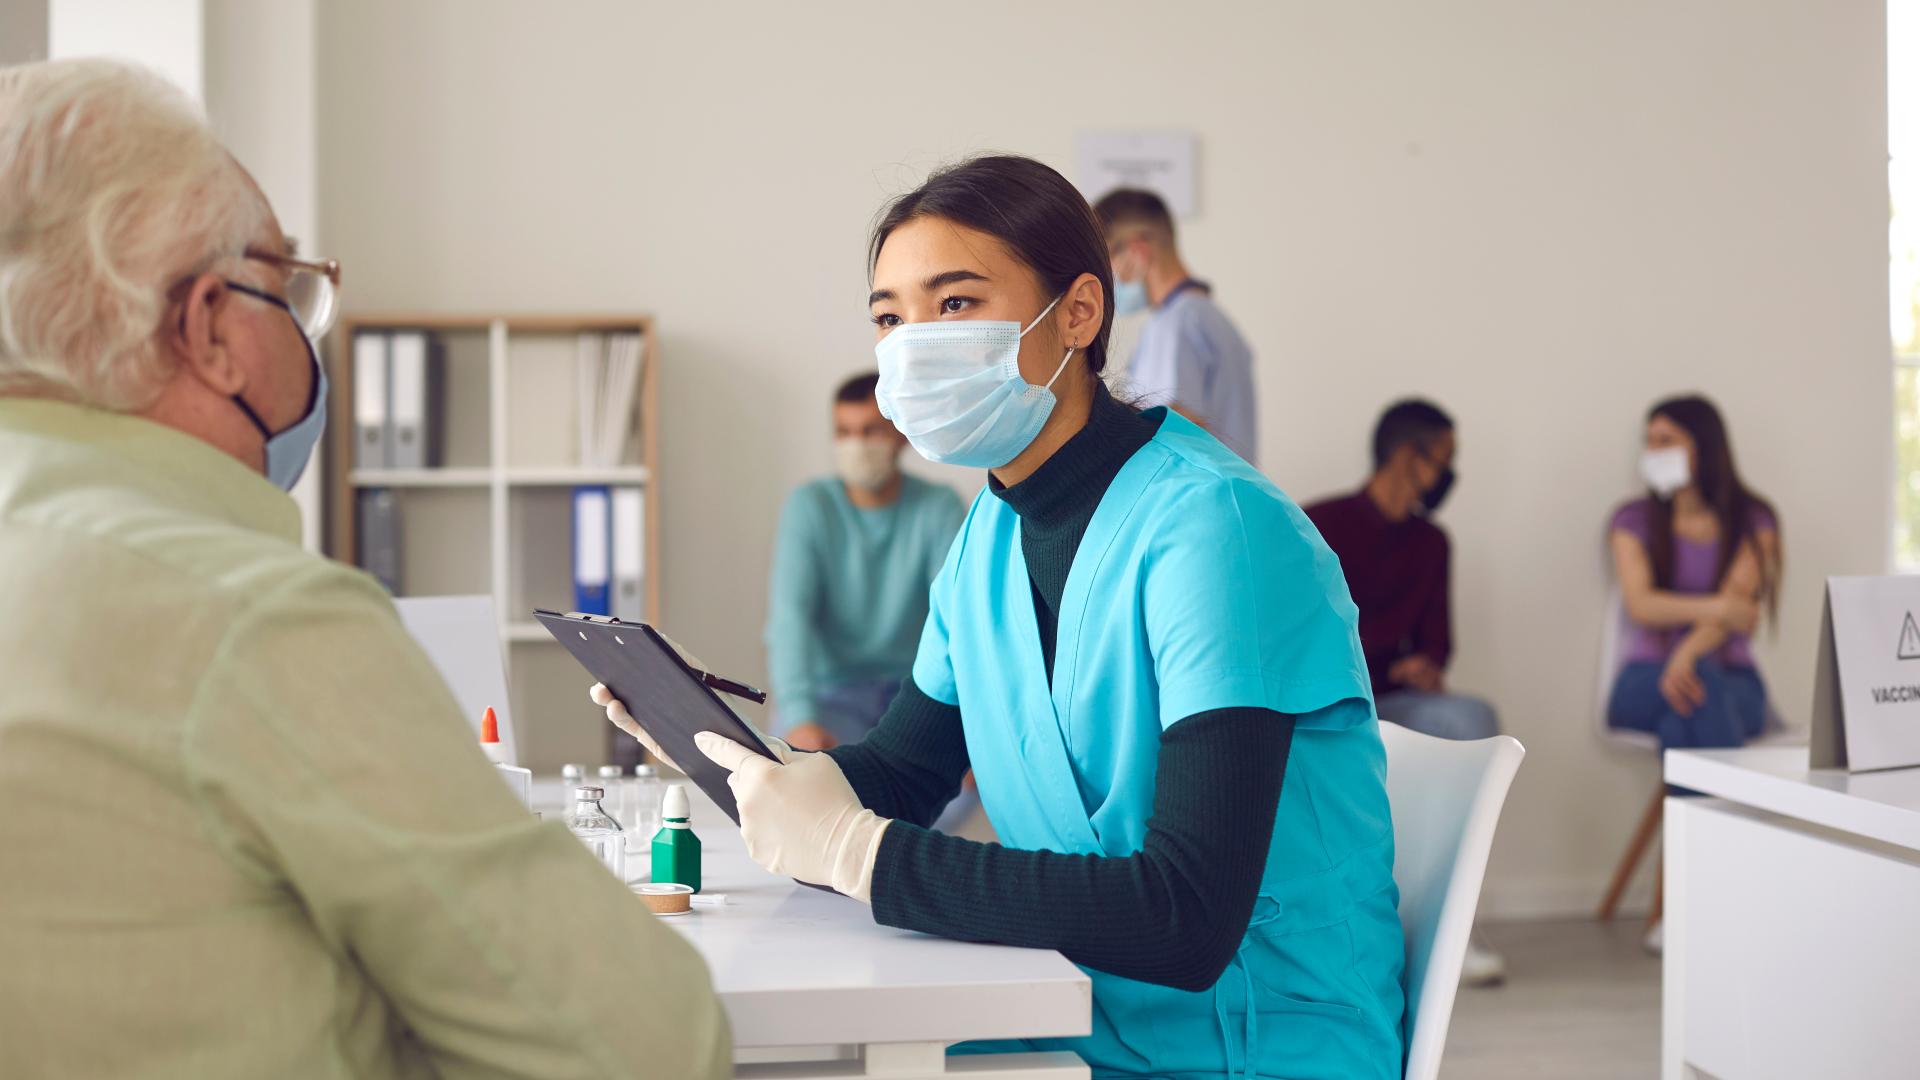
x=851 y=565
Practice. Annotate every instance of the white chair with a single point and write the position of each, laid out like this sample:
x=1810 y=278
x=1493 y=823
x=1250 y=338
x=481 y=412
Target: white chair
x=1613 y=645
x=1446 y=797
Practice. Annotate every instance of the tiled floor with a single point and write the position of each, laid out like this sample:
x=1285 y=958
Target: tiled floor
x=1581 y=1001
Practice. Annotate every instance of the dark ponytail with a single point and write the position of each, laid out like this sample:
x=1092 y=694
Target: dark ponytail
x=1025 y=205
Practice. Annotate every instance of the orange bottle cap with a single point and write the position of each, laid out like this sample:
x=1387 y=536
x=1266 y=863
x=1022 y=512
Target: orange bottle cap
x=489 y=727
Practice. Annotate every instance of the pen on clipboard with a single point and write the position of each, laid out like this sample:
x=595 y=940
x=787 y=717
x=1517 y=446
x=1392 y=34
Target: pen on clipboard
x=739 y=690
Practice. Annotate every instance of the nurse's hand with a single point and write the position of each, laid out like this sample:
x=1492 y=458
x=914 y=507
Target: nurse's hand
x=801 y=819
x=618 y=716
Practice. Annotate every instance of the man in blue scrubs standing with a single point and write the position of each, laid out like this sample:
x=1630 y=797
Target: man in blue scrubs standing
x=1189 y=356
x=851 y=566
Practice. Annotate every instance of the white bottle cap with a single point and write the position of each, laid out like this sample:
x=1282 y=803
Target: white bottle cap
x=675 y=805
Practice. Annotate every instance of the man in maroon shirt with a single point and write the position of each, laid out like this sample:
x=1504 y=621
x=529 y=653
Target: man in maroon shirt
x=1396 y=562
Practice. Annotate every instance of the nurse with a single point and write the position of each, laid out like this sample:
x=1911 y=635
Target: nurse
x=1146 y=655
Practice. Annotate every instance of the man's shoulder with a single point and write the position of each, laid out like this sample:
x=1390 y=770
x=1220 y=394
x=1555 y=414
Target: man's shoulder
x=220 y=556
x=157 y=565
x=1196 y=311
x=1334 y=508
x=814 y=496
x=260 y=573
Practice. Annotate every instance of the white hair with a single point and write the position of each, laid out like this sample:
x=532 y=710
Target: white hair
x=113 y=191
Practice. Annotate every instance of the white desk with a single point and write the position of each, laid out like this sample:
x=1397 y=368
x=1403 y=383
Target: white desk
x=814 y=988
x=1792 y=919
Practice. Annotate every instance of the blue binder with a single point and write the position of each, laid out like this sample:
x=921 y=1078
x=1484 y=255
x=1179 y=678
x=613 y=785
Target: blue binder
x=592 y=550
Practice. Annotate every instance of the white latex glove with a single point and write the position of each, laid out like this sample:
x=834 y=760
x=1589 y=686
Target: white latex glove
x=801 y=819
x=619 y=717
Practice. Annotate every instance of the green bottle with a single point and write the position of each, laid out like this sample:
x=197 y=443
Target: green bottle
x=676 y=851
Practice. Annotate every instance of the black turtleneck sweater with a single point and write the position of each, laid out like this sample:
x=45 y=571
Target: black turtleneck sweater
x=1171 y=913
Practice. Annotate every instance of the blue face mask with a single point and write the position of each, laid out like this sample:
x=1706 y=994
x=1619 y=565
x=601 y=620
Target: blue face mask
x=289 y=449
x=1129 y=297
x=955 y=391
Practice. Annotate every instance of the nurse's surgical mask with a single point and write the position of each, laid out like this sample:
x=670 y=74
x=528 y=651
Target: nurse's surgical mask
x=1666 y=471
x=866 y=464
x=955 y=391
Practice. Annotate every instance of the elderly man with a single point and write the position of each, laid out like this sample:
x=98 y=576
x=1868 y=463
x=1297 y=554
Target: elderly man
x=246 y=831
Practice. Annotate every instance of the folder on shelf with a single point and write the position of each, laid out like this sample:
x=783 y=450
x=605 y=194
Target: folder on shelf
x=588 y=365
x=607 y=377
x=413 y=363
x=380 y=537
x=622 y=385
x=592 y=538
x=372 y=435
x=629 y=554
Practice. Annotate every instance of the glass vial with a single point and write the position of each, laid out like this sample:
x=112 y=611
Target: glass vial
x=596 y=829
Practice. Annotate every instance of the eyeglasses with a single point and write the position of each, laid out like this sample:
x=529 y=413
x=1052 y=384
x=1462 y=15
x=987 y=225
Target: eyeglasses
x=313 y=289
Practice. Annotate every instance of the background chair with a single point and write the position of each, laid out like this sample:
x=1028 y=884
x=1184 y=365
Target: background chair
x=1613 y=636
x=1446 y=797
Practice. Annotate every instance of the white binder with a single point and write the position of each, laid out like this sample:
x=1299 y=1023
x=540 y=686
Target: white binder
x=372 y=443
x=629 y=554
x=411 y=432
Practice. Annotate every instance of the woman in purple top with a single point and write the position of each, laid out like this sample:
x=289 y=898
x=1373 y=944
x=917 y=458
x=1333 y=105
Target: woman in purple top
x=1697 y=559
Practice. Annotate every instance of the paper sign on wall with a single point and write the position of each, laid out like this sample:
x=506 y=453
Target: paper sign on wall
x=1158 y=161
x=1866 y=695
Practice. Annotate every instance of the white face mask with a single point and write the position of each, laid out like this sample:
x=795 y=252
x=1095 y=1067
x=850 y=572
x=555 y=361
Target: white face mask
x=1666 y=471
x=867 y=464
x=955 y=391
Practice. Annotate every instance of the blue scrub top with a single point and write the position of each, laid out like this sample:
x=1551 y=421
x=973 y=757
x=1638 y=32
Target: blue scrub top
x=1198 y=586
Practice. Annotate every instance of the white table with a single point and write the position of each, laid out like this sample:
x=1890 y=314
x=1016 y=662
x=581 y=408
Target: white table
x=1792 y=919
x=814 y=988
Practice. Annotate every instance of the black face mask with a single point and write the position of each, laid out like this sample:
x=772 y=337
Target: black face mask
x=1431 y=498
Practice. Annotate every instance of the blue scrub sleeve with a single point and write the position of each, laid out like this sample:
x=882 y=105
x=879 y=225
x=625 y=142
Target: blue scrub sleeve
x=1245 y=607
x=933 y=664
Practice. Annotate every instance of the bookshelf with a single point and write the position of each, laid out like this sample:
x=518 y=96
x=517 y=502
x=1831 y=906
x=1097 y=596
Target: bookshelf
x=495 y=515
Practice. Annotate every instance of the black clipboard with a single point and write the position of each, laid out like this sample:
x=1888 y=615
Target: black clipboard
x=665 y=693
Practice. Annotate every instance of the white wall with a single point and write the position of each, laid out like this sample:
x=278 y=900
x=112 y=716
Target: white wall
x=260 y=94
x=162 y=34
x=1543 y=215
